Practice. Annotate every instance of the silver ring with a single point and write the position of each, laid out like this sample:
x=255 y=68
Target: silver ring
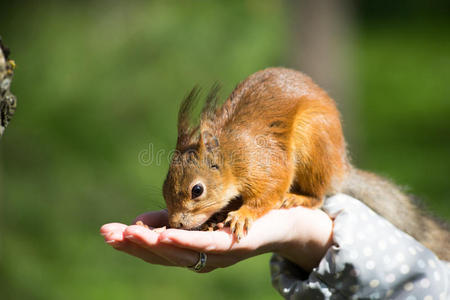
x=201 y=263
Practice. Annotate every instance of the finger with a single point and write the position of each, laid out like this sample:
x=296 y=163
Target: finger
x=114 y=235
x=135 y=249
x=214 y=261
x=261 y=236
x=149 y=240
x=113 y=232
x=201 y=241
x=142 y=253
x=145 y=237
x=144 y=243
x=154 y=218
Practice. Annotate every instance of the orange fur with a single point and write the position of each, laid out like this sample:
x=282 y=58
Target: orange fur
x=278 y=132
x=276 y=142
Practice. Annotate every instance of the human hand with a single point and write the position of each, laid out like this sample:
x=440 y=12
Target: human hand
x=300 y=234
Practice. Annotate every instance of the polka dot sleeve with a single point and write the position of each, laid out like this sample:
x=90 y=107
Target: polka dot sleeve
x=369 y=259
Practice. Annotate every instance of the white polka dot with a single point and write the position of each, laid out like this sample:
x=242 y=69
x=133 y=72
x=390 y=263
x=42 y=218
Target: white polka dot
x=330 y=204
x=387 y=260
x=412 y=251
x=437 y=277
x=370 y=264
x=428 y=297
x=404 y=269
x=411 y=297
x=400 y=257
x=374 y=283
x=381 y=223
x=390 y=278
x=421 y=263
x=393 y=239
x=425 y=283
x=337 y=226
x=408 y=286
x=348 y=241
x=354 y=288
x=367 y=251
x=431 y=263
x=354 y=254
x=409 y=237
x=382 y=245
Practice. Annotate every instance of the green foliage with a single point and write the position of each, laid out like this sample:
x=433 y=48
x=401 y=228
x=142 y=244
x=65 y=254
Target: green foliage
x=406 y=107
x=99 y=82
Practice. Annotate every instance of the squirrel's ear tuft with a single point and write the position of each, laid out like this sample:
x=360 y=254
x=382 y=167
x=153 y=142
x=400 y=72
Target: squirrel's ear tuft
x=185 y=129
x=212 y=100
x=209 y=141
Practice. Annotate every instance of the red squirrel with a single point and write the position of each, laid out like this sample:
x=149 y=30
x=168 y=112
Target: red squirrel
x=276 y=142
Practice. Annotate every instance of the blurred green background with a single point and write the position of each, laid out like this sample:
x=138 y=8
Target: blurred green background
x=99 y=81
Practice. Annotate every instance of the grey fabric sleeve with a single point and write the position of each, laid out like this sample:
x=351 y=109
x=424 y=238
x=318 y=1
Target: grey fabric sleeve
x=369 y=259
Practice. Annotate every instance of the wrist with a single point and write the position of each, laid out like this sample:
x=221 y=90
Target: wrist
x=309 y=238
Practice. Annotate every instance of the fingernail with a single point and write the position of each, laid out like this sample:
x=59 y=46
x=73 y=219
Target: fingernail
x=111 y=241
x=165 y=240
x=210 y=248
x=107 y=234
x=165 y=237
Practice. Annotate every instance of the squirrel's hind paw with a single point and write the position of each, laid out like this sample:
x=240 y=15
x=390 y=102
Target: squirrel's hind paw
x=293 y=200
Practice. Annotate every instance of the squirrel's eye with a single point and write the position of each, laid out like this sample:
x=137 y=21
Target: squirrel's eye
x=215 y=167
x=197 y=190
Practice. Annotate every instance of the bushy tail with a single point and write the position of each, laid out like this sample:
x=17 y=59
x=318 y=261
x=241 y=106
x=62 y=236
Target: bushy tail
x=389 y=201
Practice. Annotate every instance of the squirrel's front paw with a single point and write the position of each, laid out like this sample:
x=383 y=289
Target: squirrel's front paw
x=240 y=222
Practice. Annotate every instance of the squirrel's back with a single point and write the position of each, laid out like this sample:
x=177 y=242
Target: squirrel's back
x=274 y=94
x=277 y=141
x=267 y=93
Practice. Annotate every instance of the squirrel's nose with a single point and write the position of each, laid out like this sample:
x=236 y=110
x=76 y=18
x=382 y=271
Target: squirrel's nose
x=177 y=221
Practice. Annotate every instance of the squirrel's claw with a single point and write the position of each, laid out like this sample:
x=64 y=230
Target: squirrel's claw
x=240 y=223
x=289 y=202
